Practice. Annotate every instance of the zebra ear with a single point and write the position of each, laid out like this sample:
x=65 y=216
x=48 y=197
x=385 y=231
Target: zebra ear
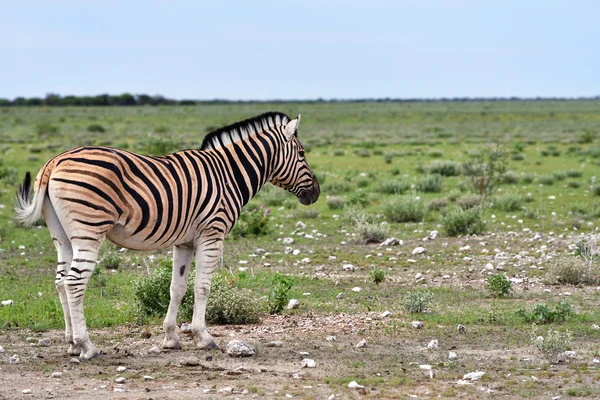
x=291 y=128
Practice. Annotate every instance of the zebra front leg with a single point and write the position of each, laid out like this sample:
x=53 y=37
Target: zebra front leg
x=182 y=260
x=208 y=251
x=82 y=267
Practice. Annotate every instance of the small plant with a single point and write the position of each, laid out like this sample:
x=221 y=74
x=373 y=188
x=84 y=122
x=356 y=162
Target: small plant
x=547 y=180
x=336 y=187
x=158 y=145
x=463 y=222
x=499 y=286
x=417 y=301
x=510 y=178
x=587 y=136
x=254 y=222
x=404 y=209
x=360 y=198
x=553 y=344
x=112 y=260
x=339 y=152
x=570 y=270
x=485 y=170
x=392 y=187
x=469 y=201
x=335 y=203
x=354 y=214
x=559 y=175
x=279 y=294
x=508 y=202
x=363 y=182
x=574 y=173
x=307 y=213
x=573 y=184
x=527 y=178
x=444 y=168
x=273 y=196
x=437 y=204
x=45 y=130
x=545 y=314
x=95 y=128
x=371 y=232
x=430 y=184
x=377 y=276
x=363 y=152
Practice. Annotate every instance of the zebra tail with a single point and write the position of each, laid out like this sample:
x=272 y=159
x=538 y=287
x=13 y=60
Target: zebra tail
x=28 y=208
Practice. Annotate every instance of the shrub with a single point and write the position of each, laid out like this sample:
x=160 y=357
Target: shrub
x=336 y=187
x=272 y=195
x=112 y=260
x=517 y=156
x=498 y=285
x=229 y=304
x=510 y=177
x=45 y=129
x=574 y=173
x=161 y=129
x=437 y=204
x=544 y=314
x=596 y=190
x=559 y=175
x=485 y=170
x=377 y=276
x=371 y=232
x=158 y=145
x=469 y=201
x=363 y=182
x=573 y=184
x=279 y=294
x=553 y=344
x=354 y=214
x=392 y=187
x=335 y=203
x=430 y=184
x=527 y=178
x=454 y=194
x=388 y=158
x=570 y=270
x=254 y=222
x=404 y=209
x=9 y=175
x=95 y=128
x=587 y=136
x=588 y=248
x=547 y=180
x=307 y=213
x=395 y=171
x=463 y=222
x=338 y=152
x=417 y=301
x=360 y=198
x=444 y=168
x=363 y=152
x=435 y=153
x=508 y=202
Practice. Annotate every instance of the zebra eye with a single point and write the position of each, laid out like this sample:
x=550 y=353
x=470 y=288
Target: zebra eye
x=301 y=152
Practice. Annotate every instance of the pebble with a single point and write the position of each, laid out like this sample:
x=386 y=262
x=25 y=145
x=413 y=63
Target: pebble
x=121 y=369
x=461 y=328
x=75 y=360
x=308 y=363
x=452 y=356
x=418 y=250
x=237 y=348
x=8 y=302
x=356 y=289
x=45 y=342
x=425 y=366
x=331 y=338
x=27 y=391
x=186 y=328
x=361 y=344
x=296 y=252
x=385 y=314
x=288 y=241
x=227 y=390
x=1 y=349
x=14 y=359
x=474 y=376
x=594 y=327
x=118 y=390
x=274 y=344
x=154 y=350
x=417 y=324
x=300 y=225
x=392 y=242
x=293 y=304
x=354 y=385
x=148 y=378
x=56 y=375
x=340 y=296
x=348 y=267
x=190 y=361
x=30 y=339
x=433 y=345
x=121 y=379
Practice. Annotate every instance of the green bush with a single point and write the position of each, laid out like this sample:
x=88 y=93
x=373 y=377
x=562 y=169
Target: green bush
x=336 y=187
x=158 y=145
x=508 y=202
x=573 y=184
x=559 y=175
x=527 y=178
x=279 y=294
x=463 y=222
x=574 y=173
x=45 y=129
x=354 y=214
x=363 y=152
x=430 y=184
x=273 y=196
x=444 y=168
x=570 y=270
x=95 y=128
x=418 y=301
x=363 y=182
x=307 y=213
x=545 y=314
x=498 y=285
x=339 y=152
x=377 y=276
x=547 y=180
x=254 y=222
x=335 y=203
x=469 y=201
x=370 y=232
x=510 y=178
x=227 y=304
x=392 y=187
x=404 y=209
x=437 y=204
x=553 y=344
x=360 y=198
x=112 y=260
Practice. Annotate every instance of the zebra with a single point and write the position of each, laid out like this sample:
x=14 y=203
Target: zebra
x=188 y=200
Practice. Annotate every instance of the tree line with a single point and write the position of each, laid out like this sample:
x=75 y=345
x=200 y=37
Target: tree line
x=127 y=99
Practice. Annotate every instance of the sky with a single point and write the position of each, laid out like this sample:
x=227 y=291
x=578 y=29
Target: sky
x=289 y=49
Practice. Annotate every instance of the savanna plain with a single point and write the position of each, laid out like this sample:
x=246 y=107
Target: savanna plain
x=488 y=286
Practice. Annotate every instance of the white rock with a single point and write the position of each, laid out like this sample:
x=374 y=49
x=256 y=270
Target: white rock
x=305 y=260
x=464 y=248
x=433 y=345
x=275 y=343
x=569 y=355
x=75 y=360
x=461 y=328
x=411 y=260
x=300 y=225
x=348 y=267
x=332 y=397
x=8 y=302
x=186 y=328
x=56 y=375
x=361 y=344
x=425 y=366
x=227 y=390
x=489 y=266
x=452 y=356
x=121 y=369
x=385 y=314
x=308 y=363
x=121 y=379
x=418 y=250
x=1 y=349
x=356 y=289
x=295 y=252
x=288 y=241
x=148 y=378
x=340 y=295
x=27 y=391
x=392 y=242
x=354 y=385
x=237 y=348
x=154 y=350
x=516 y=280
x=287 y=250
x=45 y=342
x=474 y=376
x=14 y=359
x=331 y=338
x=294 y=303
x=417 y=324
x=596 y=327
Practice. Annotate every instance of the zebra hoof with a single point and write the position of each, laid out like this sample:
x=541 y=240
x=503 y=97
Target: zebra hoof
x=170 y=344
x=89 y=355
x=207 y=344
x=74 y=350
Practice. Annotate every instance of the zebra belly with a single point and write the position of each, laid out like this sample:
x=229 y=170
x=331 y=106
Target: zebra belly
x=122 y=236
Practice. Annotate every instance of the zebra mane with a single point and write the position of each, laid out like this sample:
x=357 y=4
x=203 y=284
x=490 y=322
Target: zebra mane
x=243 y=129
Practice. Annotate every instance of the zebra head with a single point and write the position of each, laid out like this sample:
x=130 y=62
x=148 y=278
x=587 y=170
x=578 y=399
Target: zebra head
x=292 y=171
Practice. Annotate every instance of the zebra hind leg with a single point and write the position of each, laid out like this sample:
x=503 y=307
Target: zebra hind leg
x=65 y=256
x=182 y=260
